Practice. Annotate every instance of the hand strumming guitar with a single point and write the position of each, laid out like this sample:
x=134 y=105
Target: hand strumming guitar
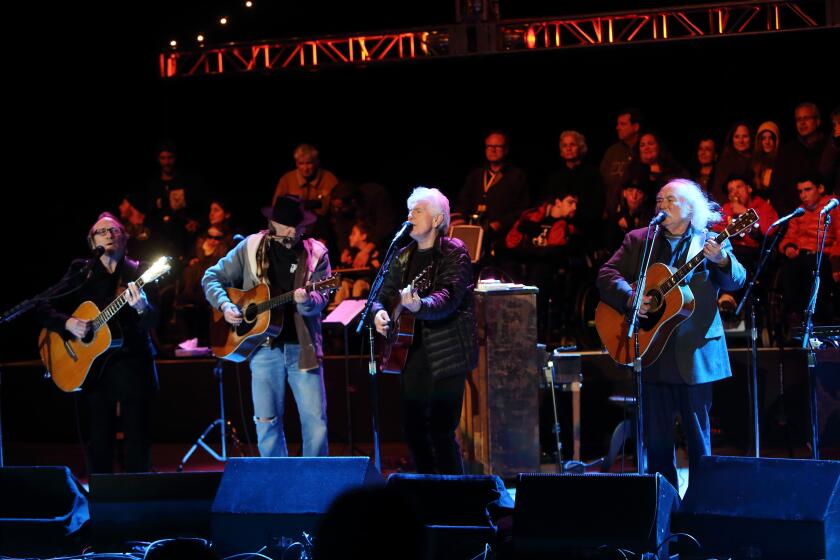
x=232 y=313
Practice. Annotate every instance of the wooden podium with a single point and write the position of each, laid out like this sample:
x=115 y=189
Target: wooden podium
x=500 y=416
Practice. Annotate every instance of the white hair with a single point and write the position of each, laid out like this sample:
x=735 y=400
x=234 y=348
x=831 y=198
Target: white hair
x=579 y=139
x=437 y=202
x=704 y=211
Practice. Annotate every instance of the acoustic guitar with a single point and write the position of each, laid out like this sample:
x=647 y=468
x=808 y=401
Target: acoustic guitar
x=401 y=334
x=237 y=343
x=671 y=304
x=68 y=361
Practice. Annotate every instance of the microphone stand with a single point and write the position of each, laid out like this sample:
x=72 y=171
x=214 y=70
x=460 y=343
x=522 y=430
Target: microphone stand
x=365 y=320
x=20 y=309
x=766 y=251
x=807 y=330
x=633 y=332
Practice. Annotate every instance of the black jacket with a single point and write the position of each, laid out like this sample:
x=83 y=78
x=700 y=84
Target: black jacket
x=447 y=314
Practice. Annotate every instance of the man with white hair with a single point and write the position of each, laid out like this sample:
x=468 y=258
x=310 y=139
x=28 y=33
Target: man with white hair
x=680 y=380
x=308 y=181
x=445 y=345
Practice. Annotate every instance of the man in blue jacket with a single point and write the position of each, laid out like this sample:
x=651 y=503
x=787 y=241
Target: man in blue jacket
x=680 y=380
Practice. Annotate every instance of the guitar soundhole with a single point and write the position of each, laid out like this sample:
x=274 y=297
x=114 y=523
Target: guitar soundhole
x=656 y=299
x=656 y=311
x=88 y=338
x=250 y=313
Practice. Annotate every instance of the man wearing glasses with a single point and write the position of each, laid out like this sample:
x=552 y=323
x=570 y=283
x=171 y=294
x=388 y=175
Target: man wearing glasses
x=122 y=381
x=495 y=194
x=798 y=157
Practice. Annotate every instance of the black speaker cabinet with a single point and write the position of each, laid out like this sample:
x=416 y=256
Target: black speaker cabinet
x=592 y=515
x=42 y=510
x=763 y=508
x=263 y=500
x=150 y=506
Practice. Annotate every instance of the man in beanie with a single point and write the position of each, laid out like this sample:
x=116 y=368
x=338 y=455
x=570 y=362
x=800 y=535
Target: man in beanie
x=280 y=258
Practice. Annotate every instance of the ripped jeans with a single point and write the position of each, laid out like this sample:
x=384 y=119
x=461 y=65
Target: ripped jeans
x=271 y=369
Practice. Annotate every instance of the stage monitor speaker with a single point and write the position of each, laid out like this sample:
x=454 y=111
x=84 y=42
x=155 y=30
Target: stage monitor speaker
x=262 y=501
x=150 y=506
x=458 y=510
x=763 y=508
x=42 y=511
x=472 y=236
x=592 y=515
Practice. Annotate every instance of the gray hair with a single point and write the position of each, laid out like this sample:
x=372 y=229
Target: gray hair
x=704 y=211
x=437 y=201
x=306 y=150
x=580 y=140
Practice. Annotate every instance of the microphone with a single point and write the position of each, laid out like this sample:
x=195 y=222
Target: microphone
x=97 y=251
x=659 y=218
x=795 y=214
x=832 y=204
x=405 y=229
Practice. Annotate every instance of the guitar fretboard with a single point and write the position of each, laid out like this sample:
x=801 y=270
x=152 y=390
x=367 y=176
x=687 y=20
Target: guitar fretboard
x=745 y=221
x=114 y=307
x=287 y=297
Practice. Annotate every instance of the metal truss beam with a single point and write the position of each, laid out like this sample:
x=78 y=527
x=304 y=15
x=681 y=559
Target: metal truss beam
x=711 y=20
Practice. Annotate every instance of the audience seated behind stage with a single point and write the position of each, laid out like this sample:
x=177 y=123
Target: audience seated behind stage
x=214 y=243
x=176 y=202
x=543 y=242
x=620 y=155
x=799 y=247
x=360 y=253
x=145 y=241
x=634 y=210
x=747 y=244
x=349 y=204
x=735 y=158
x=495 y=194
x=704 y=170
x=765 y=153
x=580 y=178
x=652 y=163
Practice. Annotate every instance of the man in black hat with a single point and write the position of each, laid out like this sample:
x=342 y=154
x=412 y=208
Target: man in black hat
x=280 y=257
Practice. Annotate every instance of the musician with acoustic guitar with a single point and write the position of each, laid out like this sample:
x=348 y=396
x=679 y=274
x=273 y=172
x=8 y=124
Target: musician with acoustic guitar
x=445 y=346
x=124 y=375
x=290 y=351
x=680 y=380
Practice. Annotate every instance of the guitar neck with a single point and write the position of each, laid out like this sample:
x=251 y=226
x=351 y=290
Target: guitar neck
x=282 y=299
x=113 y=308
x=690 y=265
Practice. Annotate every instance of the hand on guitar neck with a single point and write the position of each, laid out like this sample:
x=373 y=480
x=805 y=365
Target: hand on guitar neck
x=233 y=315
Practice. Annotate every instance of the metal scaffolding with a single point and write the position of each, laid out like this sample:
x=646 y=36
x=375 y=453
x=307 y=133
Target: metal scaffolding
x=486 y=38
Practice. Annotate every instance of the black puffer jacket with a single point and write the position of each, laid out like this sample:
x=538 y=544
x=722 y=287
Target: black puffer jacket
x=447 y=314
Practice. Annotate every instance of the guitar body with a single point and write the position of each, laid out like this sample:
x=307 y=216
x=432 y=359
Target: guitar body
x=395 y=350
x=676 y=306
x=69 y=361
x=236 y=344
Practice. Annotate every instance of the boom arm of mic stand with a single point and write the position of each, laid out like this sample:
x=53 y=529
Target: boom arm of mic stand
x=376 y=285
x=765 y=254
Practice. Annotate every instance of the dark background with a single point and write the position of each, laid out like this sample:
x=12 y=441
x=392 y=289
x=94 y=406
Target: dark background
x=85 y=109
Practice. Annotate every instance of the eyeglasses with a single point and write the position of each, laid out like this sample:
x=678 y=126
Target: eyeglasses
x=806 y=118
x=495 y=146
x=112 y=230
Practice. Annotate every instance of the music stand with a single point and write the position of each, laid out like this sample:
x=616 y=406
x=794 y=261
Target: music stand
x=344 y=314
x=220 y=422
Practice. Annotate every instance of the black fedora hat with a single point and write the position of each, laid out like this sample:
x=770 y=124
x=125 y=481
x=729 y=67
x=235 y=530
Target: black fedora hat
x=289 y=211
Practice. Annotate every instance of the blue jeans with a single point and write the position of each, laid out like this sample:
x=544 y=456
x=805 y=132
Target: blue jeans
x=271 y=369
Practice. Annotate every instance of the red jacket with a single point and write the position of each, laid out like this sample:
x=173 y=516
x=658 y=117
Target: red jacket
x=752 y=237
x=557 y=236
x=802 y=232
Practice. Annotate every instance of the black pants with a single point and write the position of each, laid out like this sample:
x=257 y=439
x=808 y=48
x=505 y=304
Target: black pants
x=431 y=413
x=135 y=415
